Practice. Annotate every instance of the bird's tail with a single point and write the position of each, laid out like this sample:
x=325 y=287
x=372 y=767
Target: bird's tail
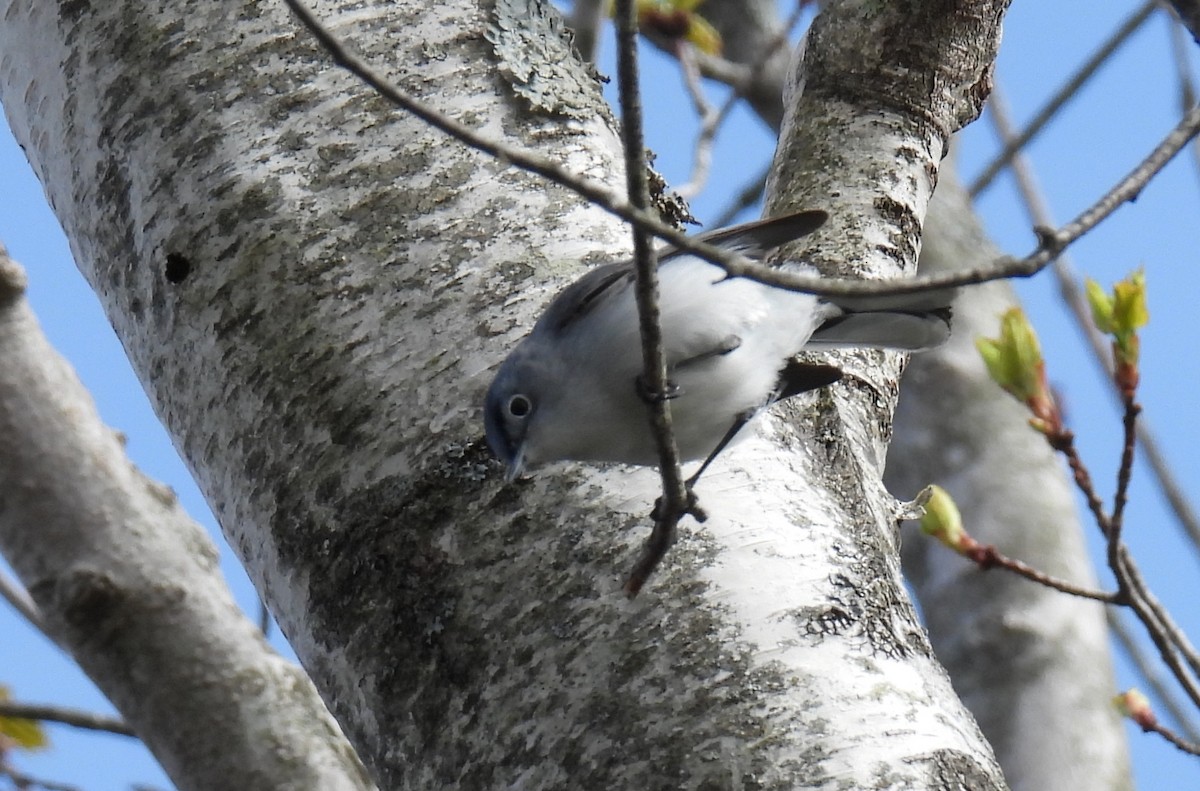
x=907 y=322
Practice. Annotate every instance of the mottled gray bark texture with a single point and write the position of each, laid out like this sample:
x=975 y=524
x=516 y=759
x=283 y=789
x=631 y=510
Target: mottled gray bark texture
x=1031 y=663
x=1026 y=694
x=130 y=587
x=313 y=289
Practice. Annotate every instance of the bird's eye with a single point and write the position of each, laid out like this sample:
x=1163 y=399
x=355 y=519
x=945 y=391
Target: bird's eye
x=519 y=406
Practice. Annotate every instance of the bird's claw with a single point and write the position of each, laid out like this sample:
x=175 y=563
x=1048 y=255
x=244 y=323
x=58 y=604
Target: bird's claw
x=651 y=396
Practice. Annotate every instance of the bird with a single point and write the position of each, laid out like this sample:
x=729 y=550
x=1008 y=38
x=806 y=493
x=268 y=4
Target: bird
x=572 y=388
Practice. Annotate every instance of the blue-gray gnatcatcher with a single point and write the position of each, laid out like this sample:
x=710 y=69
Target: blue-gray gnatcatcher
x=571 y=389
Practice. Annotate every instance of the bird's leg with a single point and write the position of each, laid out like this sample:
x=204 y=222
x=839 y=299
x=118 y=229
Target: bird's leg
x=673 y=390
x=738 y=424
x=691 y=506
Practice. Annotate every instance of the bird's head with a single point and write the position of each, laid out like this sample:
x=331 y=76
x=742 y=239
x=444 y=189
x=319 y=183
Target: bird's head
x=512 y=410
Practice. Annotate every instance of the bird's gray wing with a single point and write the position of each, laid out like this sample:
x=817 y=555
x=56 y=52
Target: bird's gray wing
x=574 y=301
x=753 y=239
x=756 y=239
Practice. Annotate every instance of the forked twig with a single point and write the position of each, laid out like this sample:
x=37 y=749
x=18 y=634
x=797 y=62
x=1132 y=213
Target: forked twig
x=1072 y=294
x=1151 y=675
x=712 y=120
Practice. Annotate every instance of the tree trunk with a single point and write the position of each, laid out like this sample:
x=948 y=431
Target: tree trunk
x=129 y=585
x=1031 y=663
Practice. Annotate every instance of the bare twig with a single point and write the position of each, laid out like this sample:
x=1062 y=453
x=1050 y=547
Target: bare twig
x=65 y=716
x=711 y=120
x=1168 y=483
x=1150 y=609
x=675 y=498
x=1132 y=591
x=1124 y=475
x=1180 y=47
x=1062 y=96
x=14 y=594
x=24 y=781
x=1072 y=294
x=1150 y=674
x=1053 y=241
x=1063 y=441
x=1172 y=737
x=988 y=557
x=1165 y=635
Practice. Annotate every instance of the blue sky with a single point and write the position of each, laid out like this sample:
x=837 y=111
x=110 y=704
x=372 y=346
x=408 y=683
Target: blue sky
x=1101 y=135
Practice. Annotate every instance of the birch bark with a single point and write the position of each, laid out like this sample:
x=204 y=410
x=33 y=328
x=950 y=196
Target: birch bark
x=1032 y=663
x=130 y=587
x=313 y=288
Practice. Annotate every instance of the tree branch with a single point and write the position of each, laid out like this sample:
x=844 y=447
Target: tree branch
x=130 y=586
x=711 y=120
x=987 y=556
x=1053 y=242
x=1150 y=674
x=1073 y=296
x=1016 y=143
x=14 y=594
x=76 y=718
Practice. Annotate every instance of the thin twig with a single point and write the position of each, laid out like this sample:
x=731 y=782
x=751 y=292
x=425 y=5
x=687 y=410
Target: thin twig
x=1174 y=738
x=1124 y=475
x=76 y=718
x=711 y=121
x=18 y=597
x=1151 y=676
x=1180 y=50
x=747 y=197
x=1052 y=241
x=1061 y=96
x=1064 y=443
x=1154 y=611
x=1172 y=644
x=735 y=265
x=1073 y=295
x=987 y=557
x=25 y=781
x=1171 y=489
x=1147 y=611
x=1132 y=591
x=675 y=498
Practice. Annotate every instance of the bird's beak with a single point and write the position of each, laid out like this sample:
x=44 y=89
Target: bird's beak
x=516 y=465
